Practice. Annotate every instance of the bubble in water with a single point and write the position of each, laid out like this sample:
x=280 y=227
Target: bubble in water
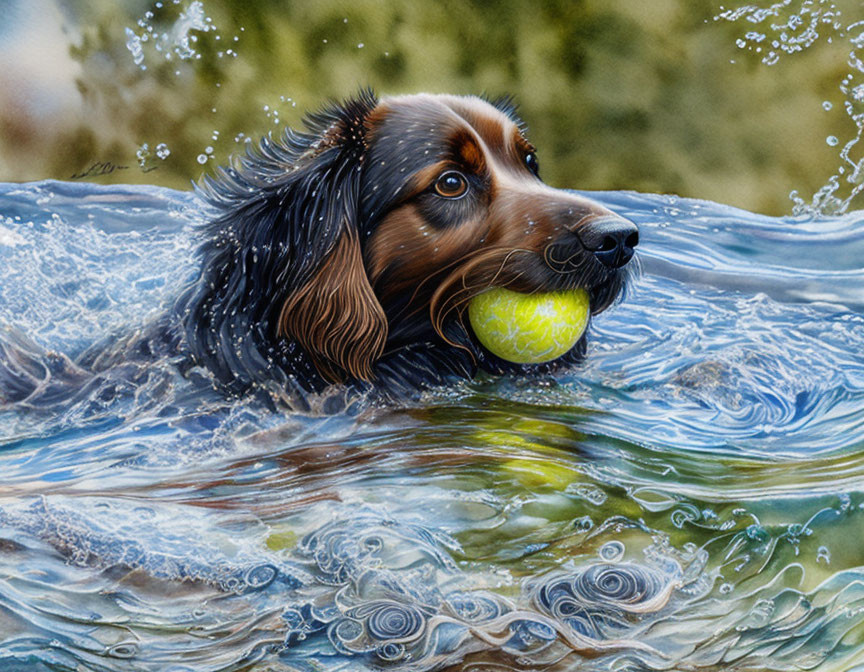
x=208 y=149
x=589 y=493
x=832 y=140
x=583 y=524
x=823 y=555
x=202 y=158
x=611 y=551
x=826 y=105
x=858 y=93
x=162 y=151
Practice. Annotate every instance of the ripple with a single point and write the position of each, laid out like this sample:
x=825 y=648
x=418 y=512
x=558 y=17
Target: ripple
x=683 y=498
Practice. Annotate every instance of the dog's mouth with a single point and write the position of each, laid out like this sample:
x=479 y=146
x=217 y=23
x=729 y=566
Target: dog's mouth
x=523 y=271
x=568 y=269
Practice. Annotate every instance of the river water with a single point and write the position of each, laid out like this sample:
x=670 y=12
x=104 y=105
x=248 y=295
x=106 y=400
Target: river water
x=690 y=497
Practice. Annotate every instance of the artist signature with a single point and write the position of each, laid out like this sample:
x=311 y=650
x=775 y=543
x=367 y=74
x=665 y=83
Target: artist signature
x=101 y=168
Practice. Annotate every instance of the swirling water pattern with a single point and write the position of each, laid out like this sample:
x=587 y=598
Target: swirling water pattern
x=688 y=498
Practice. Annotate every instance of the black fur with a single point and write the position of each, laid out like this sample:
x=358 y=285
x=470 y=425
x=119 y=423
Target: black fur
x=280 y=212
x=276 y=215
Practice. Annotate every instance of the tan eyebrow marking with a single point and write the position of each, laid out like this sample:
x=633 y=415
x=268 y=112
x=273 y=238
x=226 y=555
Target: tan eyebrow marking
x=469 y=151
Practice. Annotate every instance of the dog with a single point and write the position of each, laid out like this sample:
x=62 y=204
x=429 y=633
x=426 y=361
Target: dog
x=348 y=253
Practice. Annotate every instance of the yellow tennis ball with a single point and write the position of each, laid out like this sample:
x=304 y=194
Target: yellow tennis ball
x=529 y=328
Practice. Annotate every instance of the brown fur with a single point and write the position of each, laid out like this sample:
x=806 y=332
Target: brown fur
x=349 y=253
x=336 y=316
x=445 y=268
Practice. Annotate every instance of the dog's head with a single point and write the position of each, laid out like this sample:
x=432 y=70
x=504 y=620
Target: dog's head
x=372 y=231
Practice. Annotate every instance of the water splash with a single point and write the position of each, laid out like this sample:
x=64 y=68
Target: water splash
x=163 y=37
x=169 y=40
x=786 y=28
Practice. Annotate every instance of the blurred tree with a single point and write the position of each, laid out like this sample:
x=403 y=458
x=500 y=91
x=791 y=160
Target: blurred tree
x=617 y=94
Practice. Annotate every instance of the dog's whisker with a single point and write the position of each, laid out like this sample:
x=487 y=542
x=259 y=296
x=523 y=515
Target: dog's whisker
x=466 y=258
x=547 y=256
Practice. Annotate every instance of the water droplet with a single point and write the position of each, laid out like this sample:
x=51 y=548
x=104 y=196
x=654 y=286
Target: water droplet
x=202 y=158
x=133 y=44
x=832 y=140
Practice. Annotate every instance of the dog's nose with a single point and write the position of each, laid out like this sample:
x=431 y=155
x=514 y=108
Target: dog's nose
x=611 y=239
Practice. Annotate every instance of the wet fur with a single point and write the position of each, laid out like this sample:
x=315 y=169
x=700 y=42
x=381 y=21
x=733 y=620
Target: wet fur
x=327 y=258
x=304 y=282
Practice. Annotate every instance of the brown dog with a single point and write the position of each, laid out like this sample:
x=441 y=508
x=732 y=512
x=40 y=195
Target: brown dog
x=349 y=252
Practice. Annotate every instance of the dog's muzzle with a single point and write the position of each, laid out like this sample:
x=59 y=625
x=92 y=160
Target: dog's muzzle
x=610 y=239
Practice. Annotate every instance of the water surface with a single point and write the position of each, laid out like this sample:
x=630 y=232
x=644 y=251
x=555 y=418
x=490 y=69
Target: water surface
x=688 y=498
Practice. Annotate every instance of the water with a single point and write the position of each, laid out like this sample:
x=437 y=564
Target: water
x=689 y=498
x=786 y=29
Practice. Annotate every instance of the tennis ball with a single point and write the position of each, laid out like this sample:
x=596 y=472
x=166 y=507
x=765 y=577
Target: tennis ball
x=529 y=328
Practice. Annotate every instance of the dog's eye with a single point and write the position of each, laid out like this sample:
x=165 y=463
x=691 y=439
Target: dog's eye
x=531 y=162
x=451 y=185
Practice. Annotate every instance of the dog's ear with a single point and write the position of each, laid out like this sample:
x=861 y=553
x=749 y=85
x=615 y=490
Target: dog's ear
x=335 y=316
x=333 y=312
x=283 y=262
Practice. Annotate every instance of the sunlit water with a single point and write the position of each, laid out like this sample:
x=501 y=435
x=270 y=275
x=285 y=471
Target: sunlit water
x=691 y=497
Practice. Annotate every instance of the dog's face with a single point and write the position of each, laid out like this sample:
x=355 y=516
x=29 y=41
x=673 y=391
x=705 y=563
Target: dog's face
x=368 y=236
x=453 y=204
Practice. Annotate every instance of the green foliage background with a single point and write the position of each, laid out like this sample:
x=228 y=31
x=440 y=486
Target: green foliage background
x=618 y=94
